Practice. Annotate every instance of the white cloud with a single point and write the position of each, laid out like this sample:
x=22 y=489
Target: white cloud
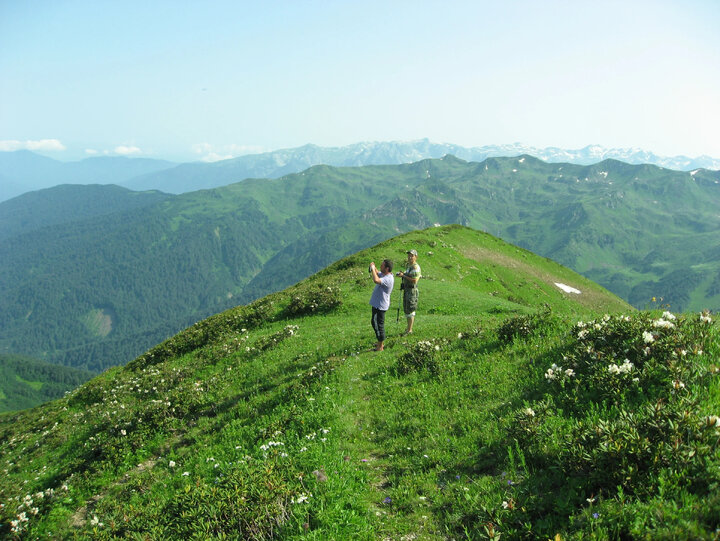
x=91 y=151
x=210 y=153
x=41 y=144
x=127 y=150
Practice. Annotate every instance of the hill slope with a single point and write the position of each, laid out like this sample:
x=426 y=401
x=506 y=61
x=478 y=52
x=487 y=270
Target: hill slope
x=273 y=419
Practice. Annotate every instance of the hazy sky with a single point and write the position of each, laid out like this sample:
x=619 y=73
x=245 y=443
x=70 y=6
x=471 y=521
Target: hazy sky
x=187 y=80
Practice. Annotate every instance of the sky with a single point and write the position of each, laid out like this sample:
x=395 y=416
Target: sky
x=205 y=80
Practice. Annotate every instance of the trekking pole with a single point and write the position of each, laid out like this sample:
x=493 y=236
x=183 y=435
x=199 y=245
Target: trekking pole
x=402 y=286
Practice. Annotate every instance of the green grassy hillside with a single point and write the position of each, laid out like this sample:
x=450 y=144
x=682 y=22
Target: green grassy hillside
x=515 y=410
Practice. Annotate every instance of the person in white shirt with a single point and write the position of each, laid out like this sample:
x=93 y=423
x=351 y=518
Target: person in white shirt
x=380 y=299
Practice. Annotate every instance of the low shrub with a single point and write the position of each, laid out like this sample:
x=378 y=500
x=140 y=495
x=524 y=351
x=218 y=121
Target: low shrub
x=318 y=299
x=621 y=423
x=422 y=355
x=522 y=326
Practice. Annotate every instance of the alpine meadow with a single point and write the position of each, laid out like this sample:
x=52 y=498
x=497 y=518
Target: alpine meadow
x=529 y=403
x=93 y=276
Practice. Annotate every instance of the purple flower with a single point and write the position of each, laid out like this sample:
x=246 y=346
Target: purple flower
x=596 y=515
x=387 y=500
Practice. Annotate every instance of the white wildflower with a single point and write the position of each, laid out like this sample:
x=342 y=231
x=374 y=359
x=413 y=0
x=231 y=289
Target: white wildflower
x=663 y=324
x=171 y=463
x=569 y=372
x=529 y=412
x=648 y=337
x=302 y=498
x=705 y=318
x=625 y=368
x=669 y=316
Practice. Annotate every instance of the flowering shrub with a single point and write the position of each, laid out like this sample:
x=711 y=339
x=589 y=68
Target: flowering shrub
x=315 y=300
x=620 y=417
x=522 y=326
x=275 y=338
x=421 y=355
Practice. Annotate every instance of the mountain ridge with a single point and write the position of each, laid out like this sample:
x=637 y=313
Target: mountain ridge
x=148 y=174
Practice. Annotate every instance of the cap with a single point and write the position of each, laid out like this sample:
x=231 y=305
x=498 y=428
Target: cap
x=413 y=252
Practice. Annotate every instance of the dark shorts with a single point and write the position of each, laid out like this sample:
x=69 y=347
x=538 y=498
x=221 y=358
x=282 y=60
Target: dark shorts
x=410 y=300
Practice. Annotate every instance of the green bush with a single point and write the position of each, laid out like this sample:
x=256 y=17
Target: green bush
x=522 y=326
x=619 y=425
x=422 y=355
x=314 y=300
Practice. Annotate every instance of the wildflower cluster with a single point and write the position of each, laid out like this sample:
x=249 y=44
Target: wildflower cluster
x=616 y=354
x=28 y=507
x=631 y=421
x=231 y=344
x=556 y=372
x=274 y=339
x=624 y=368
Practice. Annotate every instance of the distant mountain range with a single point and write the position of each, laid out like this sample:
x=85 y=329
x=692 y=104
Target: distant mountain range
x=91 y=276
x=23 y=171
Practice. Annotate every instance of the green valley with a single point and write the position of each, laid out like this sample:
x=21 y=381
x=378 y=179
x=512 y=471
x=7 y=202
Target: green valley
x=26 y=382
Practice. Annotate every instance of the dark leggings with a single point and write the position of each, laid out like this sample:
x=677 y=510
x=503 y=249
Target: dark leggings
x=378 y=323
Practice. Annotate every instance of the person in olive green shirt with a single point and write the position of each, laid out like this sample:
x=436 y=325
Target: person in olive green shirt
x=410 y=278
